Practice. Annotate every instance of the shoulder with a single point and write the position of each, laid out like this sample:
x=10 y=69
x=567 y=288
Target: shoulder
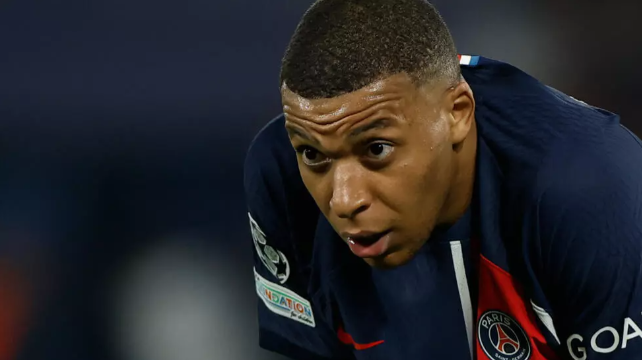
x=282 y=213
x=588 y=197
x=271 y=176
x=269 y=154
x=582 y=203
x=283 y=222
x=585 y=214
x=580 y=172
x=523 y=120
x=585 y=230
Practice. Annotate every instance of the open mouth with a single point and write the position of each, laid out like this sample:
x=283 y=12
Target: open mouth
x=368 y=239
x=369 y=245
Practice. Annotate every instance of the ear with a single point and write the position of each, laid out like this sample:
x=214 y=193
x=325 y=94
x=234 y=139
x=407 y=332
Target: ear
x=461 y=106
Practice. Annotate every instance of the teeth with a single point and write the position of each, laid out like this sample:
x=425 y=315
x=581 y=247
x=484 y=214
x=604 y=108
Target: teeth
x=366 y=240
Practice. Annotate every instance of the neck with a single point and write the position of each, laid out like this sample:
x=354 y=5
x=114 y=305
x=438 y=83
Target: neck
x=461 y=192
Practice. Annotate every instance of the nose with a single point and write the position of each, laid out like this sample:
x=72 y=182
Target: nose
x=350 y=195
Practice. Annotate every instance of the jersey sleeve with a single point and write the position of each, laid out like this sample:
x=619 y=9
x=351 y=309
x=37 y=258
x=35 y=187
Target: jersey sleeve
x=590 y=228
x=282 y=220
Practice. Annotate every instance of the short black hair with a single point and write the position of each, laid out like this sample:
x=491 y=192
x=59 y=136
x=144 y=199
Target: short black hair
x=341 y=46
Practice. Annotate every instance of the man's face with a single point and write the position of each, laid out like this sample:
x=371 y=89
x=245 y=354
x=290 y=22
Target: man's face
x=381 y=162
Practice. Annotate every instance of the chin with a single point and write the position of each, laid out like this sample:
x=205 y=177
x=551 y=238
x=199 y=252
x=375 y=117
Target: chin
x=392 y=260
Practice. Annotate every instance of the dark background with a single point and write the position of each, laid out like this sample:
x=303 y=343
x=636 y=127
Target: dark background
x=123 y=128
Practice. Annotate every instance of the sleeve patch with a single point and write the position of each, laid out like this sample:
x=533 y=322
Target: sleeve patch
x=273 y=259
x=283 y=301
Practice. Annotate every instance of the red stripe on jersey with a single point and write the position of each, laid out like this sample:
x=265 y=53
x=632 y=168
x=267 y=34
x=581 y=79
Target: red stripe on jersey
x=500 y=294
x=347 y=339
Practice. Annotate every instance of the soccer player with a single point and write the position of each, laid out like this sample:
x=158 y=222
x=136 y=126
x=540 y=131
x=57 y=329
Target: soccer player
x=414 y=204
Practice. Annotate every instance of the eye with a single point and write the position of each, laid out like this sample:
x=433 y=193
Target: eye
x=379 y=150
x=311 y=156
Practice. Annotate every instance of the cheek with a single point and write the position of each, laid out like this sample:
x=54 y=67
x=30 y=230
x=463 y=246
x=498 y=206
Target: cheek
x=434 y=156
x=418 y=187
x=406 y=185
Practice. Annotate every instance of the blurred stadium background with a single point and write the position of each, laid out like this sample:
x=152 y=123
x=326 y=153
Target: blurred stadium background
x=123 y=128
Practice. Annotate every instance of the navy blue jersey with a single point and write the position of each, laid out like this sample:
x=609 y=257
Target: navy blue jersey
x=545 y=264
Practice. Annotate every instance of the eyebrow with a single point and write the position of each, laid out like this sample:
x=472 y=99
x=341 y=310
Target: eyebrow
x=377 y=124
x=294 y=131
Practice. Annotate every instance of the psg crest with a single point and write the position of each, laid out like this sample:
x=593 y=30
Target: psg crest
x=502 y=338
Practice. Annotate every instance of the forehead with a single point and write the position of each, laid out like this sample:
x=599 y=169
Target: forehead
x=387 y=93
